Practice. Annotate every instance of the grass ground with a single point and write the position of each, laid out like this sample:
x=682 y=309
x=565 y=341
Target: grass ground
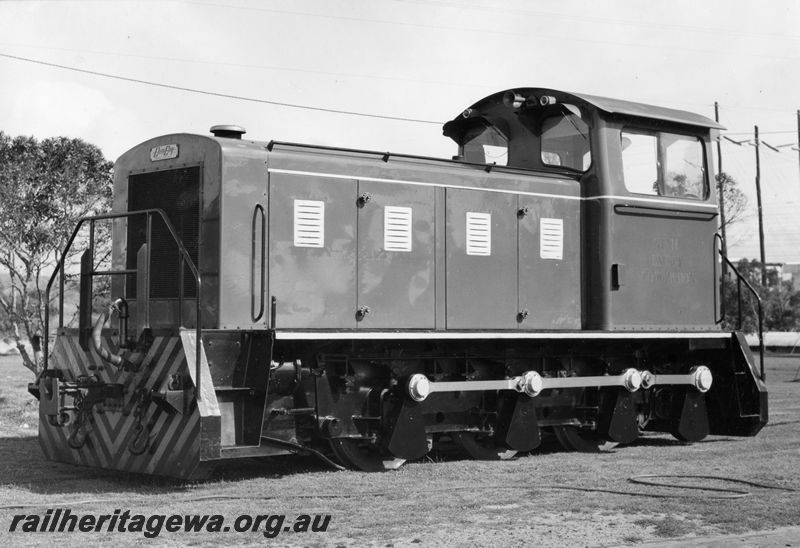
x=549 y=498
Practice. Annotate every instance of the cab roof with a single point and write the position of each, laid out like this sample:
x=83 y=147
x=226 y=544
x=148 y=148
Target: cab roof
x=607 y=105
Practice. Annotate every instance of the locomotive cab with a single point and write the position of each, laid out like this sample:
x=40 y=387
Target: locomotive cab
x=648 y=201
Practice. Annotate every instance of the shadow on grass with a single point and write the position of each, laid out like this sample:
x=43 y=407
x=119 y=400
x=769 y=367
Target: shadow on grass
x=646 y=441
x=25 y=468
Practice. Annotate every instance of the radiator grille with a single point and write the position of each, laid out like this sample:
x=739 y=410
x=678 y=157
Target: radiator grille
x=177 y=192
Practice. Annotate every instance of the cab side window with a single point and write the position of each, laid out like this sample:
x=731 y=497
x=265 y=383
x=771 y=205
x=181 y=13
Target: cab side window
x=684 y=169
x=485 y=145
x=640 y=162
x=565 y=140
x=663 y=164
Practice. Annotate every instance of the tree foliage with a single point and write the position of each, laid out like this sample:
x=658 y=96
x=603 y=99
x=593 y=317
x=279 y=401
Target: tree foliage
x=733 y=199
x=780 y=303
x=45 y=186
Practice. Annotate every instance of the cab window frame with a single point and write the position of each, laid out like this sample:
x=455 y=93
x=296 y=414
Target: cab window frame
x=585 y=119
x=480 y=144
x=663 y=162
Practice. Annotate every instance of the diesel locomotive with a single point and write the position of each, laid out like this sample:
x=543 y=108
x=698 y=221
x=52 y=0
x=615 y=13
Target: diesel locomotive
x=559 y=276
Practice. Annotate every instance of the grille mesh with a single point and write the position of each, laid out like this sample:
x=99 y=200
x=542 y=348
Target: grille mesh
x=177 y=192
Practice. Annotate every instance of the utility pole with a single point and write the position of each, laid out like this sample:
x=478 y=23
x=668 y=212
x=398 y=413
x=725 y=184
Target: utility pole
x=721 y=191
x=760 y=213
x=798 y=136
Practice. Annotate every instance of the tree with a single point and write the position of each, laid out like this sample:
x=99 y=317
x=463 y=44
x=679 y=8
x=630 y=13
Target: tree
x=734 y=200
x=780 y=303
x=733 y=207
x=45 y=186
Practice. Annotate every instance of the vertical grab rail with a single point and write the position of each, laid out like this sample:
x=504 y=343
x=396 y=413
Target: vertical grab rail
x=258 y=214
x=718 y=291
x=185 y=259
x=739 y=281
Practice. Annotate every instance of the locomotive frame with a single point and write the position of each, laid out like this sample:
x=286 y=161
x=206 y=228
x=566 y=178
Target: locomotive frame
x=280 y=297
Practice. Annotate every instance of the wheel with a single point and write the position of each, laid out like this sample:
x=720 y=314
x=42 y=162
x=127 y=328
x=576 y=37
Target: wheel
x=481 y=447
x=360 y=455
x=573 y=438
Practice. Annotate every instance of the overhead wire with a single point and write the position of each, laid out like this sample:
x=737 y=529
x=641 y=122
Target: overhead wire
x=217 y=94
x=350 y=75
x=459 y=5
x=279 y=103
x=264 y=101
x=774 y=132
x=246 y=65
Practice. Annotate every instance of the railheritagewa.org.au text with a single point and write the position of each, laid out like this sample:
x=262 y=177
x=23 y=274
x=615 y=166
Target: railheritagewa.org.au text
x=64 y=520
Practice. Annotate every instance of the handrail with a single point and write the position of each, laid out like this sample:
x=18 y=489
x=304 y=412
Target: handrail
x=739 y=280
x=385 y=156
x=257 y=247
x=718 y=290
x=187 y=259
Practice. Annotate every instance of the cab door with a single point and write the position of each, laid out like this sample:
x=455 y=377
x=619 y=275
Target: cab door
x=661 y=257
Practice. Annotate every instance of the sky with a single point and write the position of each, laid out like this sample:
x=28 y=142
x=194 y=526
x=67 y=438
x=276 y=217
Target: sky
x=422 y=60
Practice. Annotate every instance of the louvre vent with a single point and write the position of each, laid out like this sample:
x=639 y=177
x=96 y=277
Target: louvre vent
x=309 y=223
x=551 y=238
x=397 y=228
x=479 y=233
